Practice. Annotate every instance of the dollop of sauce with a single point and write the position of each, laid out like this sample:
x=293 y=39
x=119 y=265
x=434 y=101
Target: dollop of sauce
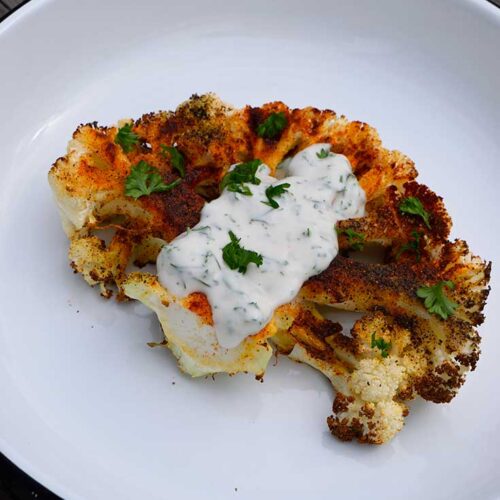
x=297 y=240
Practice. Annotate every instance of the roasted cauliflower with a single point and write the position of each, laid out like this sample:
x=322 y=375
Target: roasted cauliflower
x=400 y=349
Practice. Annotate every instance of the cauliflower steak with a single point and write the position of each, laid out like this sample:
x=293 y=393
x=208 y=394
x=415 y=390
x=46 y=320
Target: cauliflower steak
x=421 y=302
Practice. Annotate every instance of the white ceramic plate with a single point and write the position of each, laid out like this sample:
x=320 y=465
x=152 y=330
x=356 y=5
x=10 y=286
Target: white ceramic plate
x=92 y=412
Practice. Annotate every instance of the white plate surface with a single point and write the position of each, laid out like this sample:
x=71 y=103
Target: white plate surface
x=92 y=412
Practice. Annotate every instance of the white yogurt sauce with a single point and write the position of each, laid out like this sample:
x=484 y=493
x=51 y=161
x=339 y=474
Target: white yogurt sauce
x=296 y=241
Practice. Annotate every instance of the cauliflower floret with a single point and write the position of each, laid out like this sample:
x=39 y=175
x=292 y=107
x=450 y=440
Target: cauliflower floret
x=374 y=423
x=370 y=412
x=376 y=379
x=375 y=369
x=385 y=361
x=366 y=409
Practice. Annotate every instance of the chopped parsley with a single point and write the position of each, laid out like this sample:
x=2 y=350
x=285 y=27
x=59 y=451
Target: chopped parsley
x=272 y=126
x=237 y=257
x=324 y=153
x=273 y=192
x=176 y=158
x=242 y=173
x=413 y=206
x=381 y=344
x=356 y=240
x=436 y=301
x=144 y=180
x=126 y=138
x=412 y=246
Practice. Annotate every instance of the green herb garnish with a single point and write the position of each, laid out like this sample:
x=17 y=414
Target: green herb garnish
x=412 y=246
x=176 y=158
x=381 y=344
x=272 y=126
x=237 y=257
x=324 y=153
x=242 y=173
x=273 y=192
x=413 y=206
x=436 y=301
x=126 y=138
x=144 y=180
x=355 y=240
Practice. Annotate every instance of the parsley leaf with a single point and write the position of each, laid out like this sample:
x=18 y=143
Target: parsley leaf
x=272 y=126
x=273 y=192
x=413 y=206
x=126 y=138
x=243 y=172
x=436 y=301
x=356 y=240
x=412 y=246
x=144 y=180
x=324 y=153
x=237 y=257
x=176 y=158
x=381 y=344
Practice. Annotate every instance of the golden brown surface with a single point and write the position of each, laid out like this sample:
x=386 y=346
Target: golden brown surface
x=428 y=357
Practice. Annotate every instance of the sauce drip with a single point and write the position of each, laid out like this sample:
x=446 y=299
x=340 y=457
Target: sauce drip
x=297 y=240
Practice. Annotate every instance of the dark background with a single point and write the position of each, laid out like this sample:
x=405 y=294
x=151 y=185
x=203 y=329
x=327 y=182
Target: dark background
x=14 y=483
x=8 y=5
